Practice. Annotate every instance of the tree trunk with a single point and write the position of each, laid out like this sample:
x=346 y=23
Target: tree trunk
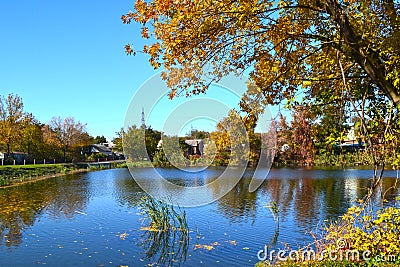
x=8 y=149
x=362 y=52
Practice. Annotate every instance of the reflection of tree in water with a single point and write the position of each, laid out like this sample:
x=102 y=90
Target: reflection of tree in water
x=20 y=206
x=127 y=192
x=315 y=200
x=166 y=238
x=165 y=247
x=239 y=204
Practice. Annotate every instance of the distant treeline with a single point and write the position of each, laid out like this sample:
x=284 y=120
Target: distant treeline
x=300 y=142
x=22 y=136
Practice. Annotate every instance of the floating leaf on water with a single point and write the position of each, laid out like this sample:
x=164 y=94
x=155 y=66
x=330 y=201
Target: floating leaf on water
x=208 y=247
x=123 y=236
x=147 y=228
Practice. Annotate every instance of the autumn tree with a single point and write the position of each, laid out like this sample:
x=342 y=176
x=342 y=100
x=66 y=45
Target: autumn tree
x=231 y=140
x=118 y=141
x=11 y=118
x=140 y=142
x=152 y=137
x=197 y=134
x=284 y=141
x=303 y=136
x=286 y=45
x=68 y=133
x=344 y=54
x=32 y=142
x=99 y=139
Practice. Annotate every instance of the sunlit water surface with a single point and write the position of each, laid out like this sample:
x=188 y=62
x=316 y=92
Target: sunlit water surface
x=93 y=219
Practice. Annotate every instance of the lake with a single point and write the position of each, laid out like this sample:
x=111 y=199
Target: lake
x=93 y=219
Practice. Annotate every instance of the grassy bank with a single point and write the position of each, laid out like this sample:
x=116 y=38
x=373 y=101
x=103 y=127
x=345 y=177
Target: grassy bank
x=345 y=160
x=10 y=175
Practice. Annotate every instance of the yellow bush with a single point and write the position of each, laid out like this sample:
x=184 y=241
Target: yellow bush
x=363 y=230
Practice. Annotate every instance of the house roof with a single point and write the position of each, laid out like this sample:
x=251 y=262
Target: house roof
x=101 y=149
x=193 y=142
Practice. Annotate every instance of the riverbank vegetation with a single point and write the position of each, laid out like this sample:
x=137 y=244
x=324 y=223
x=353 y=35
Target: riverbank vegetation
x=10 y=175
x=143 y=147
x=363 y=236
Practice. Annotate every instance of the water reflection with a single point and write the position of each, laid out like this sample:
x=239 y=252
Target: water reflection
x=127 y=192
x=21 y=206
x=165 y=248
x=312 y=199
x=310 y=196
x=305 y=198
x=239 y=205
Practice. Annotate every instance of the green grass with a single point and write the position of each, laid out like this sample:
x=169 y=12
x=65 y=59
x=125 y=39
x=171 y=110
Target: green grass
x=12 y=174
x=139 y=164
x=165 y=234
x=30 y=166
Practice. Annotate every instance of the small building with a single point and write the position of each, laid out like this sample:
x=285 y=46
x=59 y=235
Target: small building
x=196 y=147
x=110 y=144
x=98 y=148
x=351 y=143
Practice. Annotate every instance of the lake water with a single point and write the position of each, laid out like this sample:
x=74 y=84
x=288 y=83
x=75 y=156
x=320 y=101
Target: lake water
x=93 y=219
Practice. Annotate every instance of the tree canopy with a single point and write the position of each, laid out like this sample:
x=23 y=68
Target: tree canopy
x=11 y=117
x=318 y=47
x=68 y=133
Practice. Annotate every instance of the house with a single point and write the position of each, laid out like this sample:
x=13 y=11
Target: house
x=110 y=145
x=351 y=143
x=98 y=148
x=196 y=147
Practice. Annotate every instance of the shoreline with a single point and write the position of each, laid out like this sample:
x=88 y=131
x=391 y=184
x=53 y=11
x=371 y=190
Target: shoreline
x=12 y=175
x=17 y=182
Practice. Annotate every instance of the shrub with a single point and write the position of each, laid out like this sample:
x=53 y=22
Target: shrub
x=360 y=230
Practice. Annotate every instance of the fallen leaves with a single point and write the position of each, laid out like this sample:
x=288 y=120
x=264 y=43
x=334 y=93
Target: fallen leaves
x=206 y=247
x=213 y=245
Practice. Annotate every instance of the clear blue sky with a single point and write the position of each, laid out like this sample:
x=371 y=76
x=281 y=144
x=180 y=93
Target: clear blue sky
x=67 y=58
